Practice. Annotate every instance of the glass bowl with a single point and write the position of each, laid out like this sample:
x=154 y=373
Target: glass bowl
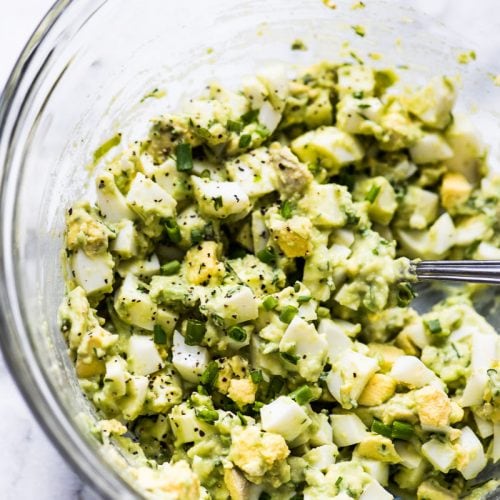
x=82 y=77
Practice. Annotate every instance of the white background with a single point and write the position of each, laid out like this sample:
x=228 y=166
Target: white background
x=30 y=468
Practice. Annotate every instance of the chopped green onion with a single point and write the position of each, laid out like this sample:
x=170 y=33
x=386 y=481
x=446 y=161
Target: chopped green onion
x=288 y=313
x=291 y=358
x=381 y=428
x=205 y=174
x=302 y=395
x=371 y=196
x=338 y=481
x=159 y=335
x=237 y=333
x=225 y=440
x=201 y=390
x=209 y=376
x=257 y=406
x=184 y=157
x=250 y=116
x=287 y=208
x=359 y=94
x=242 y=418
x=323 y=312
x=173 y=231
x=233 y=126
x=256 y=376
x=195 y=331
x=405 y=294
x=434 y=326
x=196 y=235
x=275 y=386
x=170 y=268
x=245 y=141
x=303 y=298
x=267 y=255
x=207 y=415
x=270 y=303
x=402 y=430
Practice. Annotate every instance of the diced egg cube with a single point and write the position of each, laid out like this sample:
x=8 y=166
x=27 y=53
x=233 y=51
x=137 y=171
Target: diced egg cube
x=143 y=356
x=284 y=416
x=347 y=429
x=94 y=274
x=149 y=200
x=411 y=371
x=430 y=148
x=189 y=361
x=441 y=455
x=220 y=199
x=475 y=459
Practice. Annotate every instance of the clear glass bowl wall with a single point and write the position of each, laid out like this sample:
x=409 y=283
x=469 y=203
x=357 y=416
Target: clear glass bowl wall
x=81 y=79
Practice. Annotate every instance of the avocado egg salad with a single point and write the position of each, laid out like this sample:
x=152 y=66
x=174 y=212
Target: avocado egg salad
x=238 y=302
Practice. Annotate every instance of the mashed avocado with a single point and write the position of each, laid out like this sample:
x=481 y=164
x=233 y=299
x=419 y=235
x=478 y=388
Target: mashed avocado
x=237 y=305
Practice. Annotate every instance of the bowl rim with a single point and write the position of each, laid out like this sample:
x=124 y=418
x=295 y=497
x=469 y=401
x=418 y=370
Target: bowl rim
x=32 y=383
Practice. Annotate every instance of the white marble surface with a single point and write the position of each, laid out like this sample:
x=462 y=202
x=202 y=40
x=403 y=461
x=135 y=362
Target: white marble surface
x=30 y=466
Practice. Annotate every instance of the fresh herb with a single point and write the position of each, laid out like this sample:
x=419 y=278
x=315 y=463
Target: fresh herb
x=172 y=229
x=267 y=255
x=291 y=358
x=286 y=209
x=184 y=157
x=196 y=235
x=237 y=333
x=402 y=430
x=339 y=481
x=245 y=141
x=405 y=294
x=288 y=313
x=256 y=376
x=195 y=331
x=303 y=298
x=209 y=376
x=434 y=326
x=207 y=415
x=275 y=386
x=233 y=126
x=302 y=395
x=372 y=194
x=242 y=418
x=270 y=303
x=170 y=268
x=380 y=428
x=250 y=116
x=358 y=94
x=201 y=390
x=159 y=335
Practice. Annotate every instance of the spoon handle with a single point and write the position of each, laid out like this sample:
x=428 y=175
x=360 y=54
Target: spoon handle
x=471 y=271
